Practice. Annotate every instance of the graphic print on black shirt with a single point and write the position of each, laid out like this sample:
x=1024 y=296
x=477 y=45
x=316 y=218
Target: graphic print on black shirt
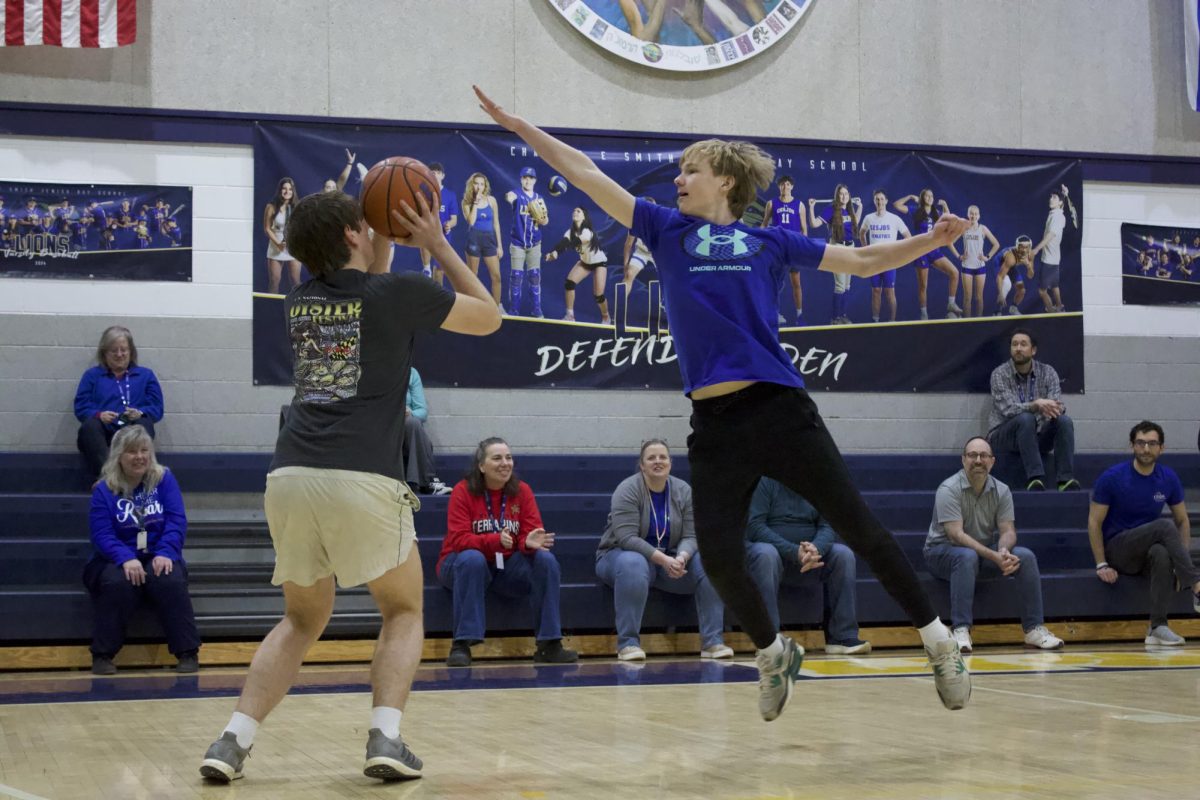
x=327 y=340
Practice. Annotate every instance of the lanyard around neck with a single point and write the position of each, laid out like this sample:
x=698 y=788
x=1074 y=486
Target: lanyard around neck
x=663 y=530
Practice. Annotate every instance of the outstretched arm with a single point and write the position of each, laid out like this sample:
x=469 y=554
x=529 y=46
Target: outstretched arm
x=574 y=165
x=345 y=173
x=877 y=258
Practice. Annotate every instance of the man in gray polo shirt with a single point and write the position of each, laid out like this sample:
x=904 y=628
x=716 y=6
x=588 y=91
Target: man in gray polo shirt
x=973 y=534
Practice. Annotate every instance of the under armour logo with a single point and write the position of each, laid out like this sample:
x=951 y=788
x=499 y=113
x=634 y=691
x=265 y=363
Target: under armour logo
x=735 y=240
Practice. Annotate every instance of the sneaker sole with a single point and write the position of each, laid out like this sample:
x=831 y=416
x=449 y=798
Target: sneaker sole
x=218 y=771
x=842 y=650
x=1160 y=643
x=1058 y=646
x=389 y=769
x=787 y=698
x=706 y=654
x=632 y=657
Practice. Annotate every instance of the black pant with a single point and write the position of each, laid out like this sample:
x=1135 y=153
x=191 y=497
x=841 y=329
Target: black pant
x=773 y=430
x=95 y=437
x=1155 y=550
x=115 y=599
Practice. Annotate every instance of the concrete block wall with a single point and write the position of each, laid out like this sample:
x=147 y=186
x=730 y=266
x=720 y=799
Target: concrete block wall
x=1049 y=77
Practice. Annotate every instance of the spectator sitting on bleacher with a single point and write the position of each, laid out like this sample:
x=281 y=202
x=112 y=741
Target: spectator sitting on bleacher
x=494 y=537
x=1130 y=536
x=650 y=541
x=419 y=469
x=113 y=394
x=1028 y=416
x=787 y=540
x=138 y=525
x=973 y=532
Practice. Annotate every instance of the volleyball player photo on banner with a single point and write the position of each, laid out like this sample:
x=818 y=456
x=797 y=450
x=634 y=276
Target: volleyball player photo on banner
x=94 y=231
x=1160 y=265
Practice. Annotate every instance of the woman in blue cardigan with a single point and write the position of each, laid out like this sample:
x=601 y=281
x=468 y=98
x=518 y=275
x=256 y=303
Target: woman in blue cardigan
x=113 y=394
x=138 y=525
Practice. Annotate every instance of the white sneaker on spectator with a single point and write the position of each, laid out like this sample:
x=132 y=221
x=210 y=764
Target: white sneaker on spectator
x=717 y=651
x=631 y=653
x=1042 y=639
x=1164 y=637
x=962 y=635
x=436 y=487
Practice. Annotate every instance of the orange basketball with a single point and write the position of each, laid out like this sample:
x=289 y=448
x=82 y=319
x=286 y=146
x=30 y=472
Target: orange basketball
x=390 y=181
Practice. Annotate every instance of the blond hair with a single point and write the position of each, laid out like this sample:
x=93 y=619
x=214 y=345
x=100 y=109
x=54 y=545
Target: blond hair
x=749 y=165
x=127 y=439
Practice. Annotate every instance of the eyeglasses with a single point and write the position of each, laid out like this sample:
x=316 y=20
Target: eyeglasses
x=1151 y=443
x=978 y=456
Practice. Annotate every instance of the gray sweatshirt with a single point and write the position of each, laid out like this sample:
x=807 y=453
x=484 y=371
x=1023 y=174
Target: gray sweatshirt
x=629 y=519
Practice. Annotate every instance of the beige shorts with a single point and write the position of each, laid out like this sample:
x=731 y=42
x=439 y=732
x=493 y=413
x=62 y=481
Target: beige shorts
x=355 y=525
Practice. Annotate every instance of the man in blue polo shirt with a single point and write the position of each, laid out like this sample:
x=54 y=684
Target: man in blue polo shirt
x=1130 y=536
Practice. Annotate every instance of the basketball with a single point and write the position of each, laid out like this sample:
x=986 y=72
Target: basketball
x=558 y=185
x=390 y=181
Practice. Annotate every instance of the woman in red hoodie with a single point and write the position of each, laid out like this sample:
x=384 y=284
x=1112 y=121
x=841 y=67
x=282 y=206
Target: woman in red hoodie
x=494 y=537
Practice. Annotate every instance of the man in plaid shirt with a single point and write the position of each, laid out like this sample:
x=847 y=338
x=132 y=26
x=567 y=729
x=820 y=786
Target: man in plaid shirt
x=1028 y=416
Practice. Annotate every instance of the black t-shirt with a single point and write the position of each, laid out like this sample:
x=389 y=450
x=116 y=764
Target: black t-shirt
x=352 y=338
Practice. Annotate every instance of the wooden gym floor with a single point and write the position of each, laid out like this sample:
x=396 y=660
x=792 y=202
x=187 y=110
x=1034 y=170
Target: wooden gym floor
x=1113 y=721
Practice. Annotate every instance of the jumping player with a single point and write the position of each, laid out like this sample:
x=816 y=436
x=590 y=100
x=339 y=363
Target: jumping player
x=785 y=212
x=974 y=262
x=336 y=501
x=750 y=414
x=877 y=227
x=924 y=217
x=525 y=245
x=1009 y=278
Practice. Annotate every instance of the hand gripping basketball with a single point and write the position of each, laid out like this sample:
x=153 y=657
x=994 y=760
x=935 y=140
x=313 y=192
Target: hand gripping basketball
x=538 y=211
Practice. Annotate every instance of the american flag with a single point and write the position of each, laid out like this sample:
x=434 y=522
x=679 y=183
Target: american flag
x=68 y=23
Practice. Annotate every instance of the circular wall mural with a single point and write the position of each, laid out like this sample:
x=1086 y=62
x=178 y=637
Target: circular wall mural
x=684 y=35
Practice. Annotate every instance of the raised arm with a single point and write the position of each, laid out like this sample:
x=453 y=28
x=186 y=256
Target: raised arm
x=901 y=205
x=574 y=165
x=877 y=258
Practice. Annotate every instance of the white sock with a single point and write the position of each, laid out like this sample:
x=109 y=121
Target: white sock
x=244 y=728
x=934 y=632
x=387 y=719
x=775 y=648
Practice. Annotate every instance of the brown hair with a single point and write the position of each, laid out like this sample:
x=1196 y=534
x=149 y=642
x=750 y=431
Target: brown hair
x=474 y=478
x=316 y=231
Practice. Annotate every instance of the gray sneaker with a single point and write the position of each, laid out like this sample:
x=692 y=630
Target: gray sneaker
x=224 y=759
x=1163 y=636
x=950 y=674
x=775 y=678
x=390 y=759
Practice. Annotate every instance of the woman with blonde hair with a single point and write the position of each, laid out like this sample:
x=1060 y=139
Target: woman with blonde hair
x=138 y=525
x=483 y=230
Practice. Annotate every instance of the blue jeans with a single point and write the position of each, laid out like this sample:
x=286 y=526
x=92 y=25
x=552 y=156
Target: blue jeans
x=469 y=574
x=962 y=565
x=631 y=576
x=838 y=575
x=1019 y=434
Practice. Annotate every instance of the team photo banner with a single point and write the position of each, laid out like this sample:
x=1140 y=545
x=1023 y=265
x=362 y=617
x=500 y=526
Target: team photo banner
x=1159 y=265
x=95 y=231
x=591 y=315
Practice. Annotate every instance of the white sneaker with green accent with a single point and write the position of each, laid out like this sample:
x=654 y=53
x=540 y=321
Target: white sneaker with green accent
x=950 y=674
x=775 y=678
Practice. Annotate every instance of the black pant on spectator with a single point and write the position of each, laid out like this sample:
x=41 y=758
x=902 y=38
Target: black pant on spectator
x=115 y=599
x=773 y=430
x=418 y=453
x=95 y=437
x=1155 y=550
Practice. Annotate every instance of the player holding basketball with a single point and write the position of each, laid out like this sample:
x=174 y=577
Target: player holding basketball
x=336 y=501
x=785 y=212
x=750 y=414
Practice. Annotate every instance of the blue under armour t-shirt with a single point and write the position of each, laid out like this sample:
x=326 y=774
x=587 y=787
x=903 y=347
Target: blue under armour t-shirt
x=721 y=284
x=1135 y=499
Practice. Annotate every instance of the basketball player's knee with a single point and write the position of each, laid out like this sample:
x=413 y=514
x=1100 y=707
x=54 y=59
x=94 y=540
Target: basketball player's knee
x=600 y=298
x=569 y=285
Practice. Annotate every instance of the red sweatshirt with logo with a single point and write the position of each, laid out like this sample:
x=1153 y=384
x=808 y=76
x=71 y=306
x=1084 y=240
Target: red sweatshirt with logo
x=472 y=520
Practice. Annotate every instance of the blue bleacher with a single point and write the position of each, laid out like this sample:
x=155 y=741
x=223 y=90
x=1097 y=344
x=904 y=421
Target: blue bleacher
x=44 y=544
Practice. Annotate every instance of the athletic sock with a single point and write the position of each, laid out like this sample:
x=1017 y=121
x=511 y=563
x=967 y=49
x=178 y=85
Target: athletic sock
x=243 y=727
x=387 y=719
x=775 y=648
x=934 y=632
